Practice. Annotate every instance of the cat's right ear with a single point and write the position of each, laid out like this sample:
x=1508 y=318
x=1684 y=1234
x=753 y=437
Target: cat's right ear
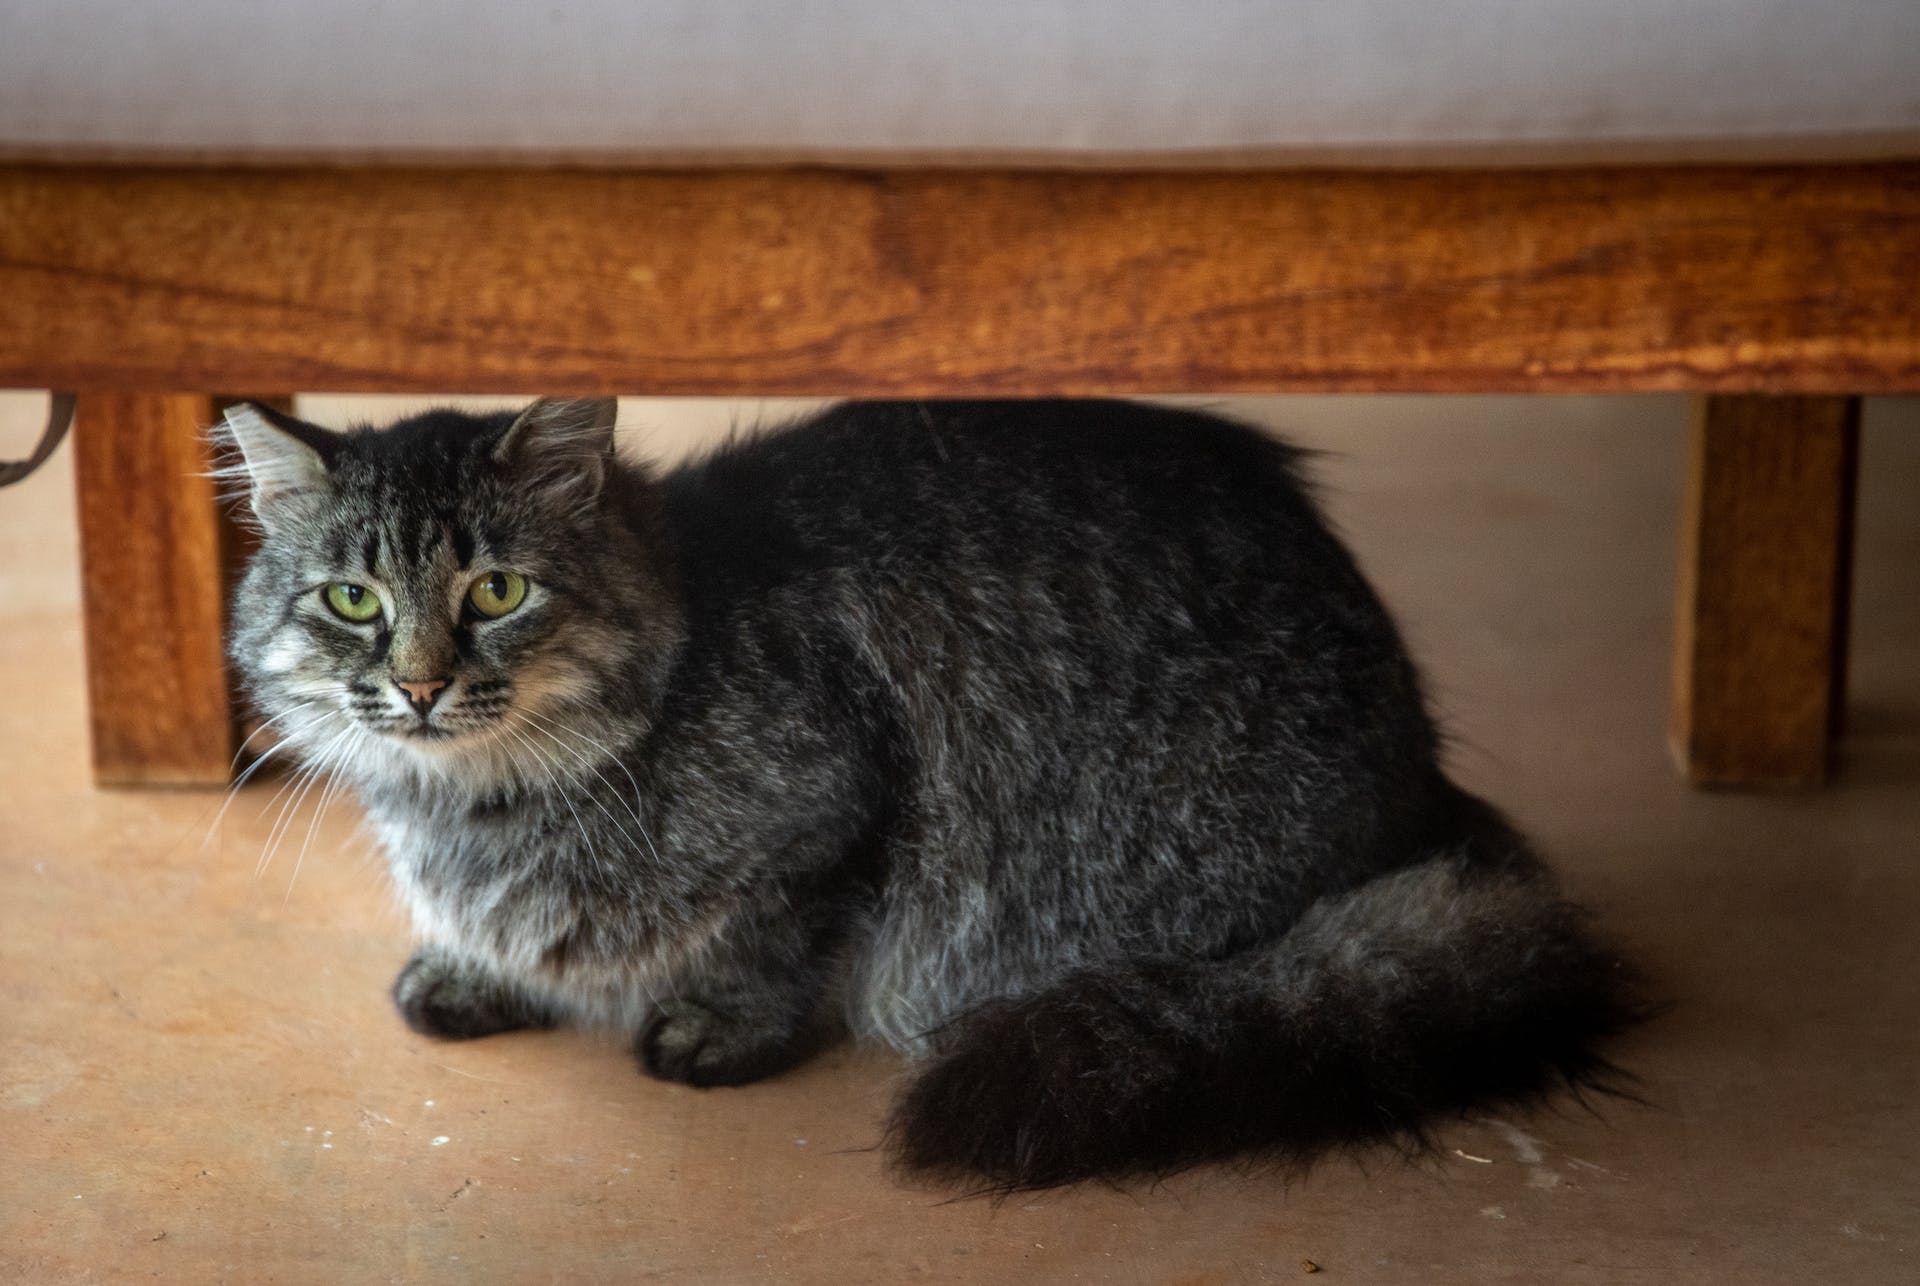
x=283 y=461
x=561 y=446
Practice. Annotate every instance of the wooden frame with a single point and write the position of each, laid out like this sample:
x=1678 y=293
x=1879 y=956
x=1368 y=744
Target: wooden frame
x=1766 y=565
x=958 y=283
x=154 y=559
x=165 y=282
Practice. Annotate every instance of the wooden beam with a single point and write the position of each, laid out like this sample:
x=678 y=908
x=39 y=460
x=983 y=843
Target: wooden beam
x=1765 y=573
x=1729 y=279
x=155 y=557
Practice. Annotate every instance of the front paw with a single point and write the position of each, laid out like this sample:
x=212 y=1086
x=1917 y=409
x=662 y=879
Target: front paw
x=698 y=1046
x=439 y=995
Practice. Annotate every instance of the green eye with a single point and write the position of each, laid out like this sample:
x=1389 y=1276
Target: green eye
x=354 y=603
x=497 y=593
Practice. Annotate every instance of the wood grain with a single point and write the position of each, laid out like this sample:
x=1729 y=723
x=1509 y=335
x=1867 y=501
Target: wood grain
x=1777 y=279
x=1765 y=573
x=154 y=561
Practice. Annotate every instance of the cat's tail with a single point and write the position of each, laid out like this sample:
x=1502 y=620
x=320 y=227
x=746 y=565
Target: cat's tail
x=1458 y=983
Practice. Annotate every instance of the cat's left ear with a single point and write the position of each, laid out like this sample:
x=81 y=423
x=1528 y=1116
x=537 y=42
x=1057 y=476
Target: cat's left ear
x=283 y=460
x=562 y=445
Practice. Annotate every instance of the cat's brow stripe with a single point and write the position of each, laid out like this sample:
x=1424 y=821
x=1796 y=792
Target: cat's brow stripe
x=405 y=551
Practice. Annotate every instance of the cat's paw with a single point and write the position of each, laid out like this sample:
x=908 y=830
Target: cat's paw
x=440 y=996
x=698 y=1046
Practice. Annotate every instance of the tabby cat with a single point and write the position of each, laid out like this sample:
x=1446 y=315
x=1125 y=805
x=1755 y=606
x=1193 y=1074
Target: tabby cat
x=1058 y=745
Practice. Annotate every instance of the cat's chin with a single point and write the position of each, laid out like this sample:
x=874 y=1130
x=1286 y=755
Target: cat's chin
x=440 y=755
x=430 y=740
x=436 y=742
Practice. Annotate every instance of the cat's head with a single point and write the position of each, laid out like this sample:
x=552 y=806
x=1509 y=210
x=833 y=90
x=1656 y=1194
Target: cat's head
x=449 y=593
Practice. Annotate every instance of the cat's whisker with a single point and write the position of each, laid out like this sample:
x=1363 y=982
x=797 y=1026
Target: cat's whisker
x=562 y=792
x=638 y=794
x=295 y=790
x=585 y=762
x=322 y=778
x=233 y=790
x=306 y=762
x=327 y=784
x=513 y=765
x=594 y=799
x=233 y=793
x=264 y=725
x=282 y=796
x=327 y=795
x=289 y=811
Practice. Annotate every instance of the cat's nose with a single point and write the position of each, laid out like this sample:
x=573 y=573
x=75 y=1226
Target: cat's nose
x=421 y=692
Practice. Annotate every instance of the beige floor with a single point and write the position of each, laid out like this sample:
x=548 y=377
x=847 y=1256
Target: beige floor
x=200 y=1079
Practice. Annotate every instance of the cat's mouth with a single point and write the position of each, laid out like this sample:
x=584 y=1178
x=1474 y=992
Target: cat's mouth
x=436 y=734
x=414 y=731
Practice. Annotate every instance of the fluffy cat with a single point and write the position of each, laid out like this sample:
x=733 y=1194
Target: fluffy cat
x=1059 y=745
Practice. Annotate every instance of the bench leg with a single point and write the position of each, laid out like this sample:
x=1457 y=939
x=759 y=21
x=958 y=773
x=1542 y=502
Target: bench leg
x=1765 y=571
x=156 y=561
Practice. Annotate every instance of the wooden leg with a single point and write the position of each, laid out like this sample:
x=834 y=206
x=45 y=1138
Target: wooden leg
x=1765 y=569
x=156 y=559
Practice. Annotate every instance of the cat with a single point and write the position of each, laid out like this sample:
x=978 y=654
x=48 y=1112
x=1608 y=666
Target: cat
x=1058 y=745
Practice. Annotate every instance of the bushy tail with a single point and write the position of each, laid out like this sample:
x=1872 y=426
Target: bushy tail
x=1456 y=984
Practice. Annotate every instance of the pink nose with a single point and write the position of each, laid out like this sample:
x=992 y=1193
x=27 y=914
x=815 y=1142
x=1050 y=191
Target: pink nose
x=421 y=692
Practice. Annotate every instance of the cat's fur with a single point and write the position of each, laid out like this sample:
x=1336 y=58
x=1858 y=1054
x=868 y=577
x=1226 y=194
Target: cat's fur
x=1057 y=744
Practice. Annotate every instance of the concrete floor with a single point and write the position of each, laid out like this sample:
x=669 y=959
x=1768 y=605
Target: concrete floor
x=201 y=1080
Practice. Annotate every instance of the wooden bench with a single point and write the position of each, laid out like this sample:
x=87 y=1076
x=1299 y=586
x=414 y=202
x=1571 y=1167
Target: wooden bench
x=1778 y=294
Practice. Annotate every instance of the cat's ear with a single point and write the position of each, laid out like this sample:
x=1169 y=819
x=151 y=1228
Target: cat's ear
x=283 y=461
x=561 y=445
